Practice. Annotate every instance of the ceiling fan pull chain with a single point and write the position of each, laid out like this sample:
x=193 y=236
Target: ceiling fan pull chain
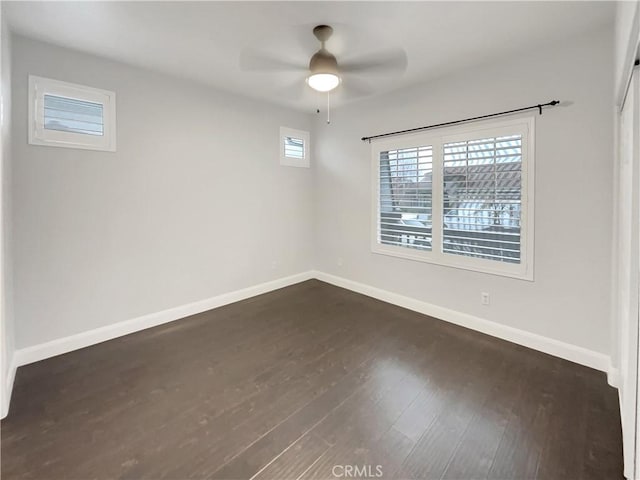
x=328 y=109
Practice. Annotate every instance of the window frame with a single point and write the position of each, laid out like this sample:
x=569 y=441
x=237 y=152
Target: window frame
x=523 y=125
x=303 y=135
x=39 y=135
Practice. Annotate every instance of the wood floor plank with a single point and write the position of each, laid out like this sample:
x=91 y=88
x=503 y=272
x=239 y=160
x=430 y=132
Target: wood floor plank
x=364 y=425
x=521 y=446
x=302 y=421
x=290 y=384
x=568 y=414
x=136 y=420
x=475 y=453
x=439 y=442
x=355 y=431
x=600 y=454
x=214 y=451
x=199 y=443
x=294 y=461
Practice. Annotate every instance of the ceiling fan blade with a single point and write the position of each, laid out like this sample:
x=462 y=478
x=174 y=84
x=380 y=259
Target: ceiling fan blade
x=294 y=90
x=383 y=62
x=257 y=61
x=353 y=88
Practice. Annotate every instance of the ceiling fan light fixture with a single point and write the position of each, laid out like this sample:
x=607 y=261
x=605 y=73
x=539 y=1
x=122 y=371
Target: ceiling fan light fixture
x=323 y=82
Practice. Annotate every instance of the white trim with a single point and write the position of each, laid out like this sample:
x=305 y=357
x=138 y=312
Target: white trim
x=59 y=346
x=613 y=377
x=6 y=400
x=615 y=218
x=540 y=343
x=39 y=135
x=632 y=52
x=557 y=348
x=523 y=125
x=303 y=135
x=570 y=352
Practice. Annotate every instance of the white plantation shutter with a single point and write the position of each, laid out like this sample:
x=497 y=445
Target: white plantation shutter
x=460 y=197
x=68 y=115
x=73 y=115
x=405 y=200
x=293 y=147
x=482 y=198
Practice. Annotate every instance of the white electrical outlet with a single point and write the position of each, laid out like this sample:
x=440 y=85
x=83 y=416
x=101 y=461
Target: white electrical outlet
x=484 y=298
x=340 y=262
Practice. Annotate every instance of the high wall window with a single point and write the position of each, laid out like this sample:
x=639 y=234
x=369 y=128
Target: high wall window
x=64 y=114
x=294 y=147
x=461 y=197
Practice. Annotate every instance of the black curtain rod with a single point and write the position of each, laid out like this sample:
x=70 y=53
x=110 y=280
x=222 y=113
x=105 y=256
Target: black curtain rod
x=402 y=132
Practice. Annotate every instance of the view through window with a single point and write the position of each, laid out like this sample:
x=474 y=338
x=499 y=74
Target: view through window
x=461 y=199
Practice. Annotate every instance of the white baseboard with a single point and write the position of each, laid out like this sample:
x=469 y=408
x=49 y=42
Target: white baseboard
x=567 y=351
x=613 y=377
x=59 y=346
x=6 y=399
x=553 y=347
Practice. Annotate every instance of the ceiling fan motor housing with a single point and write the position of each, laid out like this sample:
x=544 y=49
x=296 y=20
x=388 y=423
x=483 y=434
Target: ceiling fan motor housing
x=323 y=32
x=323 y=62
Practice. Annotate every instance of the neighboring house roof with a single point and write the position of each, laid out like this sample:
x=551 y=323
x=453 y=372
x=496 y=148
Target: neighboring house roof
x=463 y=180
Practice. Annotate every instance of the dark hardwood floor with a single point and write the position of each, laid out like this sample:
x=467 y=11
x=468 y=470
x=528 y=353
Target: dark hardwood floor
x=310 y=382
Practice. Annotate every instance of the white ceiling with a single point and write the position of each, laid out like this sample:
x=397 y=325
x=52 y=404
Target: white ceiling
x=205 y=41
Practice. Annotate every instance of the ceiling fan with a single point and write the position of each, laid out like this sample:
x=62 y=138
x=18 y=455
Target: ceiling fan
x=324 y=73
x=323 y=66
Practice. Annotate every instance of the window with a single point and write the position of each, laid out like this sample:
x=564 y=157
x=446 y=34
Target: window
x=294 y=147
x=461 y=197
x=67 y=115
x=406 y=197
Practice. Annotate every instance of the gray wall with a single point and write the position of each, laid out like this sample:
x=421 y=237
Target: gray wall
x=570 y=297
x=193 y=204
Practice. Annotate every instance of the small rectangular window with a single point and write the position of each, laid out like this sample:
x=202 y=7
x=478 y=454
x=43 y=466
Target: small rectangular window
x=71 y=115
x=63 y=114
x=294 y=147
